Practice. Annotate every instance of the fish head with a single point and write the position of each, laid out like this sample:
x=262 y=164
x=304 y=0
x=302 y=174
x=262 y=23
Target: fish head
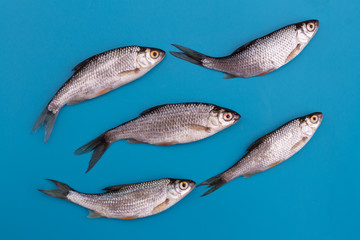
x=221 y=118
x=149 y=57
x=306 y=30
x=310 y=123
x=179 y=188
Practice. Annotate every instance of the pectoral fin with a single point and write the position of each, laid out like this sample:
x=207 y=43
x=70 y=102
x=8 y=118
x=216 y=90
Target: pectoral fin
x=134 y=71
x=93 y=214
x=161 y=207
x=199 y=128
x=299 y=143
x=293 y=54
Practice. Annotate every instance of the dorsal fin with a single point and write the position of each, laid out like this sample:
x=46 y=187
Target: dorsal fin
x=243 y=47
x=258 y=142
x=151 y=109
x=116 y=187
x=262 y=139
x=255 y=144
x=83 y=63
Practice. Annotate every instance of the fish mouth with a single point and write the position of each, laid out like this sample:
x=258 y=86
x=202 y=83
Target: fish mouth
x=237 y=117
x=320 y=116
x=317 y=23
x=162 y=54
x=192 y=184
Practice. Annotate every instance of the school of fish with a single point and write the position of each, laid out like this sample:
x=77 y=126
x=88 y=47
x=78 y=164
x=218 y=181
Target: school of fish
x=178 y=123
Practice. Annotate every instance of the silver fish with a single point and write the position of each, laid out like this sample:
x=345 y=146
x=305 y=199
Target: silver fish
x=165 y=125
x=98 y=75
x=259 y=56
x=128 y=201
x=270 y=150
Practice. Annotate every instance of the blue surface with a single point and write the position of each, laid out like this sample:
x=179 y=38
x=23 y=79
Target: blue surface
x=313 y=195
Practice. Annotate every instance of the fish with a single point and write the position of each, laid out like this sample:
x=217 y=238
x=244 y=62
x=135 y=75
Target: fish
x=98 y=75
x=127 y=201
x=269 y=150
x=164 y=125
x=260 y=56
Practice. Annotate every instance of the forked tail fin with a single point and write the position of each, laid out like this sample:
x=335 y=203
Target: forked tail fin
x=213 y=183
x=189 y=55
x=99 y=145
x=61 y=192
x=48 y=118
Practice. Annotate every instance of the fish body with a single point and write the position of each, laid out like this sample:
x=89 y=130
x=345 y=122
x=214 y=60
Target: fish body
x=270 y=150
x=127 y=201
x=98 y=75
x=259 y=56
x=165 y=125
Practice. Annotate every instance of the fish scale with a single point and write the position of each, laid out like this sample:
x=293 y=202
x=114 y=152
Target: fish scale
x=259 y=56
x=98 y=75
x=270 y=150
x=164 y=125
x=265 y=53
x=127 y=201
x=172 y=120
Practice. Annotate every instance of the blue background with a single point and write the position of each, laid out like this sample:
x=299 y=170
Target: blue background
x=314 y=195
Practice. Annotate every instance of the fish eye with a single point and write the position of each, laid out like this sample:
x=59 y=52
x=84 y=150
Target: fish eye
x=154 y=54
x=228 y=116
x=183 y=185
x=310 y=26
x=314 y=119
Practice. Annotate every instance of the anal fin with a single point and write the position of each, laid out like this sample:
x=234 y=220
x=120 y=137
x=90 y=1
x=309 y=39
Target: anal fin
x=74 y=102
x=248 y=175
x=229 y=76
x=93 y=214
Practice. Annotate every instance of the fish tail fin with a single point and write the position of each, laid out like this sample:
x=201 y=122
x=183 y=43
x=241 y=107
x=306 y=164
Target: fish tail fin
x=213 y=183
x=99 y=145
x=189 y=55
x=48 y=118
x=61 y=192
